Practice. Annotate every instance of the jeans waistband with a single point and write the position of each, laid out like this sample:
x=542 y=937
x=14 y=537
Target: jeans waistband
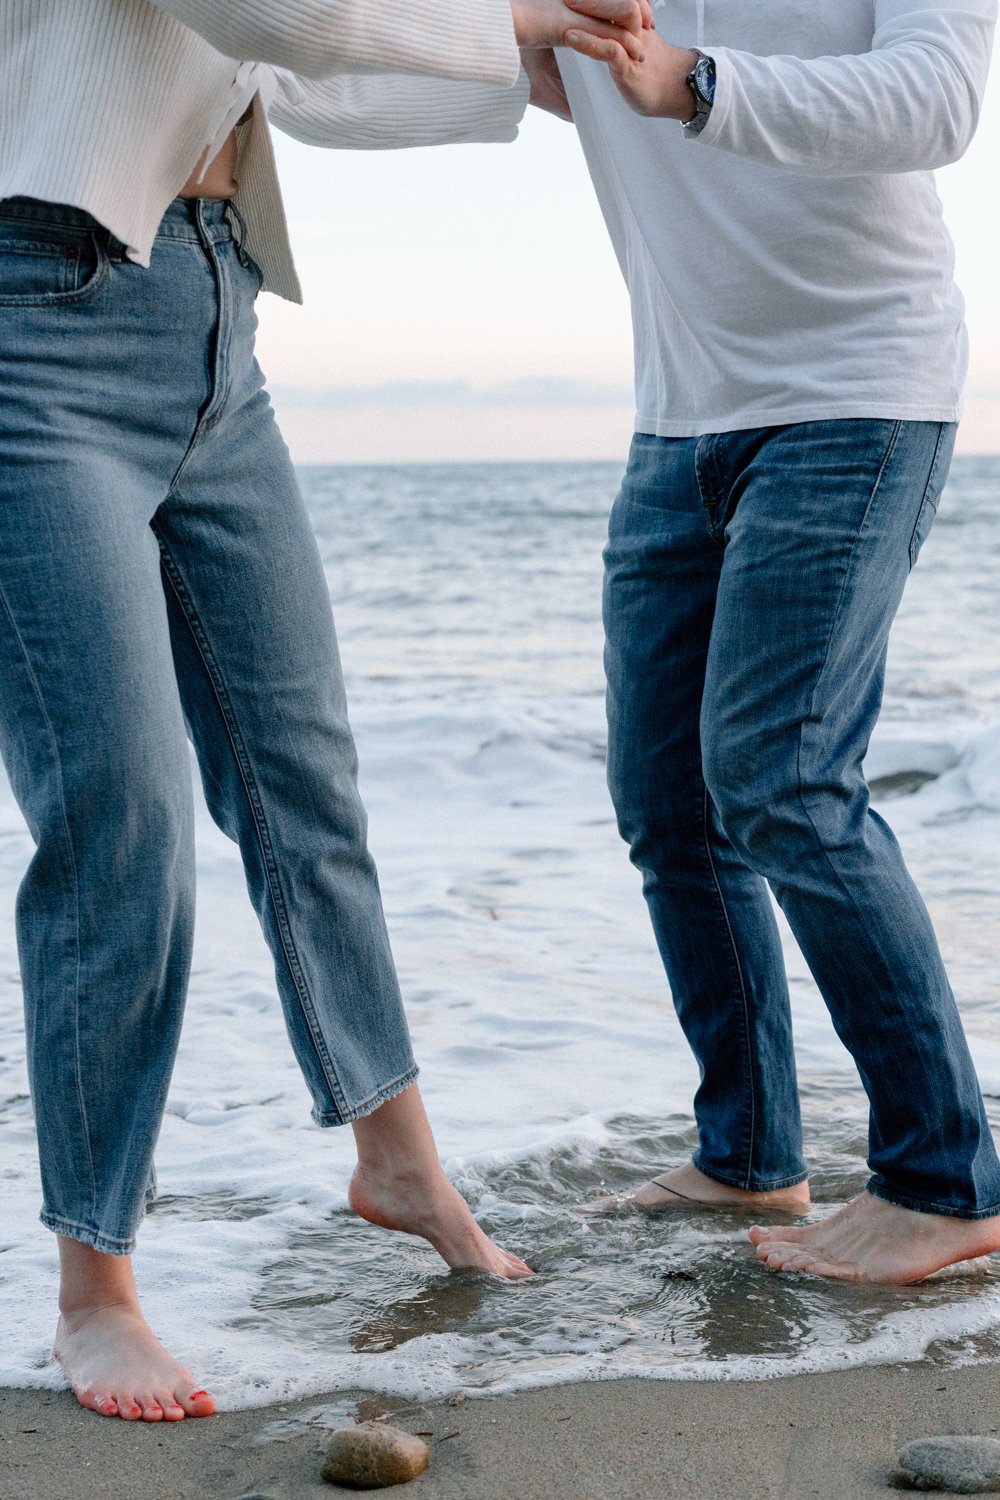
x=185 y=219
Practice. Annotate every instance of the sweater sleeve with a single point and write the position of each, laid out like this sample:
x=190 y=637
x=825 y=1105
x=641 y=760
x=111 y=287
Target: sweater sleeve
x=380 y=112
x=463 y=39
x=910 y=104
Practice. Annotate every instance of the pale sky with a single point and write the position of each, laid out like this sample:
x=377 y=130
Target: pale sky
x=464 y=303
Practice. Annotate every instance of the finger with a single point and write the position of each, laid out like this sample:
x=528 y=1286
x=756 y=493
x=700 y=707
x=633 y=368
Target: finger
x=601 y=49
x=624 y=13
x=648 y=24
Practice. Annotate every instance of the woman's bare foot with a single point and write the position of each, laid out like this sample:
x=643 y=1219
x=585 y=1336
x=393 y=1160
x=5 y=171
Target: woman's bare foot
x=112 y=1359
x=685 y=1185
x=399 y=1184
x=871 y=1240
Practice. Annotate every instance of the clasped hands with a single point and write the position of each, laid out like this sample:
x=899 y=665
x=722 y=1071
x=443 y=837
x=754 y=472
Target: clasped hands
x=648 y=72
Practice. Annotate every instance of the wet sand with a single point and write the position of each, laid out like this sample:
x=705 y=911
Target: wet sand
x=807 y=1437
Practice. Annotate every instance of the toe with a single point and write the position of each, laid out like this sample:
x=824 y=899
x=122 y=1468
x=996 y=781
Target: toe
x=98 y=1401
x=168 y=1404
x=597 y=1207
x=129 y=1409
x=152 y=1411
x=196 y=1403
x=516 y=1269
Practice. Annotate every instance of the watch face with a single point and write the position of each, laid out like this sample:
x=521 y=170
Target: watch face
x=704 y=79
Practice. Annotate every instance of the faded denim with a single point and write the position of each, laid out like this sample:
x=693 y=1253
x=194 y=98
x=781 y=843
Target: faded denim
x=751 y=581
x=158 y=579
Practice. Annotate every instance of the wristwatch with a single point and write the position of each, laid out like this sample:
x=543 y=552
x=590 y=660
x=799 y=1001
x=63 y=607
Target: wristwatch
x=701 y=82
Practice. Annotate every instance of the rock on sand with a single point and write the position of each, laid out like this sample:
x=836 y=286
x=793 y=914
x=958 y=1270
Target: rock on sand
x=962 y=1465
x=373 y=1455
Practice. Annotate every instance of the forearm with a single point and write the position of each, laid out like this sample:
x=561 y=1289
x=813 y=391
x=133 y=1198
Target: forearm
x=382 y=112
x=314 y=38
x=911 y=104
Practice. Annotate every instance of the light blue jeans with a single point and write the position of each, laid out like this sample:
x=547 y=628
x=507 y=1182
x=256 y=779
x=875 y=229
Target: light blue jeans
x=751 y=581
x=157 y=571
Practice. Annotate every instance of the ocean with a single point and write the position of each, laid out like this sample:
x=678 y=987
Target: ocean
x=468 y=608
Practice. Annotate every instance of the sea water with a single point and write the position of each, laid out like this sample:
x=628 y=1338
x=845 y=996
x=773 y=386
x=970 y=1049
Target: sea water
x=468 y=605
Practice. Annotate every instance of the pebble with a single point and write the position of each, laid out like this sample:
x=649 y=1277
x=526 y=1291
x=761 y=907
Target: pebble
x=961 y=1465
x=373 y=1455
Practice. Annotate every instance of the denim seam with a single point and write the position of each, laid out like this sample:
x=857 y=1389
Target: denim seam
x=734 y=952
x=279 y=903
x=772 y=1186
x=74 y=875
x=374 y=1101
x=927 y=489
x=886 y=975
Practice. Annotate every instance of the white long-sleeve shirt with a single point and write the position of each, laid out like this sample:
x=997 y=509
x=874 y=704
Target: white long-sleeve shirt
x=791 y=263
x=108 y=105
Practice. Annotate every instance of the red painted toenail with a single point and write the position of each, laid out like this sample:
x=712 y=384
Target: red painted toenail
x=195 y=1394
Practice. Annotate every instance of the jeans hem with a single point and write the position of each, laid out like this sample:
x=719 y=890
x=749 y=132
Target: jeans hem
x=922 y=1206
x=772 y=1185
x=328 y=1118
x=106 y=1244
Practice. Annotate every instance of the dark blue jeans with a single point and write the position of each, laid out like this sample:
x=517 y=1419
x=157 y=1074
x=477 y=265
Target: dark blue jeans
x=752 y=578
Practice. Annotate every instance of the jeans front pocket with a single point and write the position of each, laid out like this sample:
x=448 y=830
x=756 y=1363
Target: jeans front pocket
x=42 y=265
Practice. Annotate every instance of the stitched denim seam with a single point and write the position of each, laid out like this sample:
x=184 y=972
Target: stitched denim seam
x=374 y=1101
x=808 y=720
x=74 y=875
x=279 y=903
x=734 y=952
x=927 y=489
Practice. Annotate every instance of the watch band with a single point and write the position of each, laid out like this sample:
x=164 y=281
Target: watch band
x=701 y=82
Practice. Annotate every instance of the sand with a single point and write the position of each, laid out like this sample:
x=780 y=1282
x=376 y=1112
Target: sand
x=808 y=1437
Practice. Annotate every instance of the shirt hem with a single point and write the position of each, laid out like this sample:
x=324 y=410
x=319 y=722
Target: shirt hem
x=787 y=416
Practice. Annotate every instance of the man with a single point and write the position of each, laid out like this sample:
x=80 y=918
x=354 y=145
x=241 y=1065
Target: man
x=800 y=354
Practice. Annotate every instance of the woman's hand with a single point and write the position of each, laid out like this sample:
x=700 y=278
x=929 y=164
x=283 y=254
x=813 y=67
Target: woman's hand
x=547 y=90
x=653 y=84
x=544 y=23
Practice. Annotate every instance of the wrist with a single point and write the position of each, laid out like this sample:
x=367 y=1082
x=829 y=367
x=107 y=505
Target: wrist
x=677 y=100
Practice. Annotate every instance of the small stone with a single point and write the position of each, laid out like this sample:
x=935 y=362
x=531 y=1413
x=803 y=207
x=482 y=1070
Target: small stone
x=373 y=1455
x=961 y=1465
x=457 y=1399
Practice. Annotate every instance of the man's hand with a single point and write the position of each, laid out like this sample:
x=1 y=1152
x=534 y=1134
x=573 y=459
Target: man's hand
x=653 y=84
x=547 y=90
x=544 y=23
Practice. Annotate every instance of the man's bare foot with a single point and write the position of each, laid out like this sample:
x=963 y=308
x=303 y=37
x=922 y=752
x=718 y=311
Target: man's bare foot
x=871 y=1240
x=685 y=1185
x=399 y=1184
x=112 y=1359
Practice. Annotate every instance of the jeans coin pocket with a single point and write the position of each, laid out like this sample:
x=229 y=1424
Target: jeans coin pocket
x=38 y=268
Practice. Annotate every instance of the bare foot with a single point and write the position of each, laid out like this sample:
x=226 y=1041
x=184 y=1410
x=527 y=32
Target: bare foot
x=111 y=1357
x=437 y=1211
x=399 y=1184
x=117 y=1367
x=685 y=1185
x=871 y=1240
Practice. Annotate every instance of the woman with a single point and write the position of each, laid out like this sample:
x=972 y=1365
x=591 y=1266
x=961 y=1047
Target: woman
x=157 y=569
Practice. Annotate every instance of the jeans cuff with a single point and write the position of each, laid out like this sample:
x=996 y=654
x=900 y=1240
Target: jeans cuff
x=922 y=1206
x=751 y=1185
x=106 y=1244
x=329 y=1118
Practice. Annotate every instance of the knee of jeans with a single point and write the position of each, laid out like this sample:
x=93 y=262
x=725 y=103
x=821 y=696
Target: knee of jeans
x=750 y=794
x=129 y=810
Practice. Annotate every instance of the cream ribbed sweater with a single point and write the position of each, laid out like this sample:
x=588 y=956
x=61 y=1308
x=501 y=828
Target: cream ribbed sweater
x=108 y=105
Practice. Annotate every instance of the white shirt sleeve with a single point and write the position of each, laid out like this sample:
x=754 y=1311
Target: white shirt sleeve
x=464 y=39
x=910 y=104
x=380 y=112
